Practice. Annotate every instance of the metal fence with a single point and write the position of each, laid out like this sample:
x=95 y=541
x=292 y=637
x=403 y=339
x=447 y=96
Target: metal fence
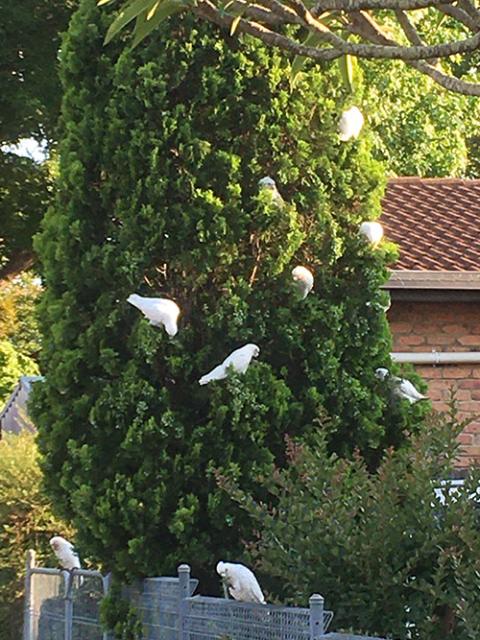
x=62 y=606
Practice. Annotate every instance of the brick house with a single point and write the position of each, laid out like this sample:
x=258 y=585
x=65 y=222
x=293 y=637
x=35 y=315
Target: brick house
x=435 y=290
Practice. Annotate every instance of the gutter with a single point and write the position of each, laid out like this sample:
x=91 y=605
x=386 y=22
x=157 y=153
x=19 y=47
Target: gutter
x=437 y=357
x=408 y=279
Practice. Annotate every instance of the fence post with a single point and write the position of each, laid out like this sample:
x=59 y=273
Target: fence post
x=28 y=602
x=106 y=582
x=68 y=578
x=184 y=583
x=316 y=616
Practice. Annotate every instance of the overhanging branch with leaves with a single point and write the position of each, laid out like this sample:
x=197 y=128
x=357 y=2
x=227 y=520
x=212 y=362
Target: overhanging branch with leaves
x=331 y=29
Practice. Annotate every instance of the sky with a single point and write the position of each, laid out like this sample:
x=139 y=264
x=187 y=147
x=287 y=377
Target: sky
x=29 y=148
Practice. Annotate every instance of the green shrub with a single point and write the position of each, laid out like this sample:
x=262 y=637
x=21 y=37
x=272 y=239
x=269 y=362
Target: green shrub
x=387 y=555
x=26 y=522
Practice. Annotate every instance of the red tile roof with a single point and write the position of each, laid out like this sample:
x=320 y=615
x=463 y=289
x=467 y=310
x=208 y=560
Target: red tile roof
x=435 y=222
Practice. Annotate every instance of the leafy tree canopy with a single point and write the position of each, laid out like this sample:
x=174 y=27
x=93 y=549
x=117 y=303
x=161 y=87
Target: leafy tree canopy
x=419 y=32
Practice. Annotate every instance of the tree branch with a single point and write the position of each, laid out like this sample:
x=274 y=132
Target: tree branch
x=363 y=25
x=206 y=10
x=460 y=15
x=408 y=28
x=357 y=5
x=471 y=9
x=21 y=261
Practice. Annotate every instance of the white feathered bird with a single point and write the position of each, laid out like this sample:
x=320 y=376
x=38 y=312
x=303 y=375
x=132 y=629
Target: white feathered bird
x=241 y=582
x=303 y=278
x=239 y=360
x=350 y=124
x=269 y=183
x=401 y=387
x=65 y=552
x=161 y=312
x=372 y=231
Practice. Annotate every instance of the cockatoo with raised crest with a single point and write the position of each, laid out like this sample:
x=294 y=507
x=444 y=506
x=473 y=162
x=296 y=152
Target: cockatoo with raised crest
x=161 y=312
x=239 y=360
x=241 y=582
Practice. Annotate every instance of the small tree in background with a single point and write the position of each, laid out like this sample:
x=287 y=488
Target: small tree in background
x=27 y=522
x=158 y=194
x=19 y=333
x=392 y=556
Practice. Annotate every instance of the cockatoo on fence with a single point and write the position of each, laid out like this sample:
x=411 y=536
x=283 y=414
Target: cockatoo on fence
x=303 y=278
x=161 y=312
x=270 y=184
x=372 y=231
x=65 y=553
x=241 y=582
x=401 y=387
x=350 y=124
x=239 y=360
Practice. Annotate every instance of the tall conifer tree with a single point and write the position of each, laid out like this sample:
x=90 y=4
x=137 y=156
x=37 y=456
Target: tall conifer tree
x=158 y=194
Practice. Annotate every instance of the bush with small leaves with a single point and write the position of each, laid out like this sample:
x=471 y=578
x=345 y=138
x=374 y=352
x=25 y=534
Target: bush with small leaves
x=392 y=555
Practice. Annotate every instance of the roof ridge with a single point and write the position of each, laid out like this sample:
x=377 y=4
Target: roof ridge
x=420 y=179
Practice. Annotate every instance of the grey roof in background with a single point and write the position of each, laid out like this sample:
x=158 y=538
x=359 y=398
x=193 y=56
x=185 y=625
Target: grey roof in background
x=14 y=417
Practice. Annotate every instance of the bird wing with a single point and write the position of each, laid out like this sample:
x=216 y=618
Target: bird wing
x=407 y=389
x=249 y=587
x=218 y=373
x=238 y=359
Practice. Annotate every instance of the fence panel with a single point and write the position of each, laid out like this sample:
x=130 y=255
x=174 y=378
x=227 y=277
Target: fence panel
x=158 y=602
x=63 y=606
x=215 y=618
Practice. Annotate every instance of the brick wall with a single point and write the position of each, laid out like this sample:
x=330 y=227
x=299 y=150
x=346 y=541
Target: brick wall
x=448 y=326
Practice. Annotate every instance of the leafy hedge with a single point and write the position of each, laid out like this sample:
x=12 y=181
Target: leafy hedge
x=390 y=558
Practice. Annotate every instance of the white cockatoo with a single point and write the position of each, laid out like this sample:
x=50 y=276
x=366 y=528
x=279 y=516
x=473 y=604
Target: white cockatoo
x=401 y=387
x=239 y=360
x=65 y=553
x=372 y=231
x=350 y=124
x=241 y=582
x=303 y=278
x=270 y=184
x=161 y=312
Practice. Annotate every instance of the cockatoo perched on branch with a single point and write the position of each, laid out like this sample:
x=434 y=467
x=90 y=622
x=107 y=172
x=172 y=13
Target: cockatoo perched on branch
x=161 y=312
x=402 y=388
x=303 y=278
x=372 y=231
x=241 y=582
x=350 y=124
x=239 y=360
x=65 y=553
x=270 y=184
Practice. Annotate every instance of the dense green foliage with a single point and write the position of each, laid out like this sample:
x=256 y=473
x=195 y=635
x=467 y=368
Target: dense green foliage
x=19 y=333
x=418 y=128
x=29 y=107
x=29 y=40
x=158 y=194
x=26 y=522
x=388 y=556
x=25 y=193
